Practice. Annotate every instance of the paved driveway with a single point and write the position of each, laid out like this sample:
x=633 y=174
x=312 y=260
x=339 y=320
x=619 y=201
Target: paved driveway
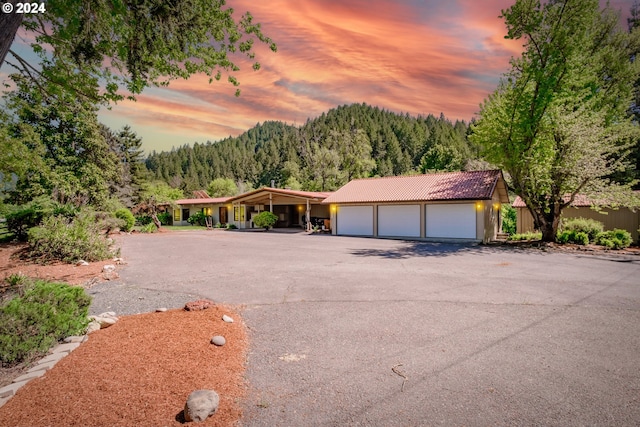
x=482 y=335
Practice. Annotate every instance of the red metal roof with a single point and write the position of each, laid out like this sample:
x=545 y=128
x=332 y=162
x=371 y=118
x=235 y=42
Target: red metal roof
x=203 y=201
x=579 y=201
x=472 y=185
x=200 y=194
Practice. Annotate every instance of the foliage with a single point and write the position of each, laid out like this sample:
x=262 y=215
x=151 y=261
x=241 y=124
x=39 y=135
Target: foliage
x=573 y=236
x=591 y=227
x=526 y=236
x=143 y=219
x=149 y=228
x=265 y=220
x=128 y=218
x=222 y=187
x=135 y=44
x=165 y=218
x=509 y=219
x=614 y=239
x=44 y=314
x=198 y=218
x=231 y=226
x=557 y=123
x=61 y=239
x=346 y=142
x=24 y=217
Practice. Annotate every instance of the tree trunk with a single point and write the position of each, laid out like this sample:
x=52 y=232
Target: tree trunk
x=9 y=24
x=547 y=222
x=156 y=221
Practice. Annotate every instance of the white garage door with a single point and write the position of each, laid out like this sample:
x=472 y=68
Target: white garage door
x=399 y=221
x=355 y=220
x=455 y=221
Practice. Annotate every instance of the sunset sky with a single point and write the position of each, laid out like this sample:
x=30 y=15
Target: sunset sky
x=415 y=56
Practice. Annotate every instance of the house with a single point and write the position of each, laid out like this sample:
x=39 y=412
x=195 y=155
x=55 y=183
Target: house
x=623 y=218
x=294 y=208
x=450 y=206
x=217 y=208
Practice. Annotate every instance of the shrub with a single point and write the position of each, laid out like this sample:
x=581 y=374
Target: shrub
x=149 y=228
x=614 y=239
x=143 y=220
x=526 y=236
x=508 y=219
x=59 y=239
x=24 y=217
x=128 y=218
x=265 y=220
x=231 y=226
x=165 y=218
x=589 y=226
x=573 y=236
x=46 y=313
x=197 y=218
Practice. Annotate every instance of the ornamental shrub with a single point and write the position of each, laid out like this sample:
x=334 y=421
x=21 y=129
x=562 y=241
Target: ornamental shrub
x=526 y=236
x=165 y=218
x=44 y=314
x=265 y=220
x=614 y=239
x=198 y=218
x=589 y=226
x=573 y=236
x=128 y=218
x=149 y=228
x=508 y=219
x=60 y=239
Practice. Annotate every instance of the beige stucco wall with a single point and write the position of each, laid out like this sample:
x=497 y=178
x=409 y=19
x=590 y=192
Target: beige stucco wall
x=622 y=218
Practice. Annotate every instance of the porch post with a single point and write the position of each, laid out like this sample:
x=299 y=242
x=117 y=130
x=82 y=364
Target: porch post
x=270 y=203
x=308 y=216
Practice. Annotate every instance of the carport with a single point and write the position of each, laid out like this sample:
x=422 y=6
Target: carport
x=294 y=208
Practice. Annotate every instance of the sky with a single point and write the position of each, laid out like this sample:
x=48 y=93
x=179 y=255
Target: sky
x=407 y=56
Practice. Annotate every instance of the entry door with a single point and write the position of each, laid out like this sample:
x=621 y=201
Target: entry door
x=222 y=211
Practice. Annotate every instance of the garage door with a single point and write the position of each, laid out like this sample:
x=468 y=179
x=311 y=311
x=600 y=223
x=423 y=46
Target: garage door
x=399 y=221
x=455 y=221
x=355 y=220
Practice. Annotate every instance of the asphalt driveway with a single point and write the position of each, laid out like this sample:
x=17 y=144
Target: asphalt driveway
x=476 y=335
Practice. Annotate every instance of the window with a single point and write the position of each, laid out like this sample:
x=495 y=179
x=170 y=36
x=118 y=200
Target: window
x=176 y=215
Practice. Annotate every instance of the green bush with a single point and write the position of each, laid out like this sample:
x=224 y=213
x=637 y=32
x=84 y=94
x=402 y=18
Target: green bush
x=197 y=218
x=614 y=239
x=231 y=226
x=24 y=217
x=59 y=239
x=509 y=219
x=149 y=228
x=265 y=220
x=589 y=226
x=128 y=218
x=143 y=220
x=573 y=236
x=526 y=236
x=46 y=313
x=165 y=218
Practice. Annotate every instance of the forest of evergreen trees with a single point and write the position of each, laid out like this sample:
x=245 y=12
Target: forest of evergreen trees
x=347 y=142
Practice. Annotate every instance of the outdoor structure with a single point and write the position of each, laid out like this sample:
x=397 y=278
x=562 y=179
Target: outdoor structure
x=439 y=206
x=216 y=208
x=623 y=218
x=294 y=208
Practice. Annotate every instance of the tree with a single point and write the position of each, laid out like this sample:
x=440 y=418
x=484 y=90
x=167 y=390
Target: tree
x=222 y=187
x=558 y=122
x=155 y=194
x=131 y=43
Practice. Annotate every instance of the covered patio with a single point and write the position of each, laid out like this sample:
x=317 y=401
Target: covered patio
x=295 y=209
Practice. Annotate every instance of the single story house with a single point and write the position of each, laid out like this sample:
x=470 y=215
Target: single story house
x=294 y=208
x=215 y=207
x=450 y=205
x=623 y=218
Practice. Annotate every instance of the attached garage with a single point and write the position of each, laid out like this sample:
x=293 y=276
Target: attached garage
x=439 y=206
x=399 y=220
x=355 y=221
x=451 y=221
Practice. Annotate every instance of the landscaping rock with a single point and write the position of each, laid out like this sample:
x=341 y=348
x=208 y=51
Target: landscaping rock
x=110 y=275
x=201 y=404
x=227 y=318
x=108 y=268
x=105 y=319
x=93 y=326
x=218 y=340
x=201 y=304
x=161 y=310
x=81 y=262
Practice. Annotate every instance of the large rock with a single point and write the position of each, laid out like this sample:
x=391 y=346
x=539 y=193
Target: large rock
x=201 y=304
x=201 y=404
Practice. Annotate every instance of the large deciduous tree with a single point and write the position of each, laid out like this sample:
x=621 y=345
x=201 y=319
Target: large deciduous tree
x=558 y=123
x=131 y=43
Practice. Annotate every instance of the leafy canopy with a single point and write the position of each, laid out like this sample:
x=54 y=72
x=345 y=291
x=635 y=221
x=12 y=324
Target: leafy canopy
x=558 y=121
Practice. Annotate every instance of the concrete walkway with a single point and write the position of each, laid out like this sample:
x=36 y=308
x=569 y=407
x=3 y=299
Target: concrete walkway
x=353 y=331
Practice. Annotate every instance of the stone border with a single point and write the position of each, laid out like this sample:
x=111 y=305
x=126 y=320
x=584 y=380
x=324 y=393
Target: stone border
x=56 y=354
